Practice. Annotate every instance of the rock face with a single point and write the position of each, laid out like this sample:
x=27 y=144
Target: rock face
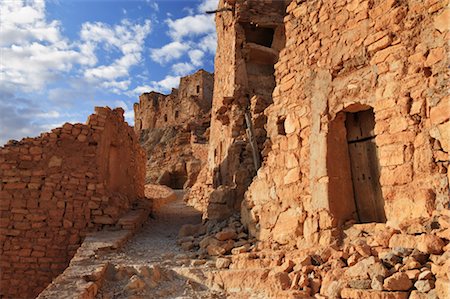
x=179 y=122
x=57 y=187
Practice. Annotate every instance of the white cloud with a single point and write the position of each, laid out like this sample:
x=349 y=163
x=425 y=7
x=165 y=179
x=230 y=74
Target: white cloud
x=153 y=5
x=48 y=114
x=165 y=84
x=182 y=68
x=196 y=57
x=208 y=5
x=117 y=87
x=137 y=91
x=28 y=39
x=125 y=37
x=189 y=10
x=169 y=52
x=35 y=54
x=191 y=26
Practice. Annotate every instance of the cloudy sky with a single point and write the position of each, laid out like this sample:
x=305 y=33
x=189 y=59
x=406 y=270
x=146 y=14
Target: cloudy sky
x=60 y=58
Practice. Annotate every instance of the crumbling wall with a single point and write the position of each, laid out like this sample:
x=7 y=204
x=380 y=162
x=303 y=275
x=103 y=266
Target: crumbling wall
x=183 y=105
x=55 y=188
x=250 y=34
x=345 y=58
x=178 y=121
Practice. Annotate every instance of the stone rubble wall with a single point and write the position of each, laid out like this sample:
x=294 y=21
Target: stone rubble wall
x=88 y=268
x=183 y=105
x=344 y=56
x=249 y=35
x=178 y=121
x=55 y=188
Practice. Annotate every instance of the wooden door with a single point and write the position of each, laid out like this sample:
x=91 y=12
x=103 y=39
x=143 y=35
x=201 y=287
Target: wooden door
x=364 y=166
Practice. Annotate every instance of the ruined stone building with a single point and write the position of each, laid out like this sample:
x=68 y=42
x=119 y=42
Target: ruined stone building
x=318 y=150
x=55 y=188
x=350 y=115
x=244 y=82
x=179 y=122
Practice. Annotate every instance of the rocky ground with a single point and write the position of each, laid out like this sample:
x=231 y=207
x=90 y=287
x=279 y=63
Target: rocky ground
x=176 y=256
x=148 y=265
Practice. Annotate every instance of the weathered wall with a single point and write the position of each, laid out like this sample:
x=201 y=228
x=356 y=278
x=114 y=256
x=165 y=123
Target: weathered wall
x=185 y=104
x=56 y=187
x=250 y=35
x=348 y=56
x=178 y=121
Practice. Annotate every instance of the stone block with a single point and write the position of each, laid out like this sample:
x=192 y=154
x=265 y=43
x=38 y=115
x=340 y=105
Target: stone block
x=288 y=227
x=292 y=176
x=348 y=293
x=398 y=282
x=441 y=22
x=391 y=155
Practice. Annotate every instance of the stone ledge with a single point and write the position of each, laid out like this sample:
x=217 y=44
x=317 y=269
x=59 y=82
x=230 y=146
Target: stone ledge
x=86 y=270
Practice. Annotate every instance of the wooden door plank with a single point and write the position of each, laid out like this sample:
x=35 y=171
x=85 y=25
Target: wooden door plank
x=365 y=167
x=360 y=125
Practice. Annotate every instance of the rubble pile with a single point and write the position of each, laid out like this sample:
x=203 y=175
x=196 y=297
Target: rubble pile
x=371 y=261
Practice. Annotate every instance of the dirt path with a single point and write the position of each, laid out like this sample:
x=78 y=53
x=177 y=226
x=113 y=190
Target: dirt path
x=146 y=267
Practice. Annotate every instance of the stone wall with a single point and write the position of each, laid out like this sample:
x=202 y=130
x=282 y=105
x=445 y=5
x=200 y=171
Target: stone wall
x=343 y=60
x=178 y=121
x=250 y=35
x=183 y=105
x=55 y=188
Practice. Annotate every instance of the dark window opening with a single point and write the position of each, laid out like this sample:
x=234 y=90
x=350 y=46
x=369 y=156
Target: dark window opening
x=174 y=180
x=176 y=114
x=198 y=89
x=165 y=117
x=258 y=35
x=280 y=126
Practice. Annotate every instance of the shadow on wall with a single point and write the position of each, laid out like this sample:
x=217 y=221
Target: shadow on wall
x=230 y=183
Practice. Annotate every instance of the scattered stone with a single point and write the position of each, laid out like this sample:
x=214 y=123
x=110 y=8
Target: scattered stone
x=424 y=286
x=215 y=250
x=377 y=283
x=397 y=282
x=348 y=293
x=135 y=284
x=222 y=263
x=362 y=284
x=226 y=234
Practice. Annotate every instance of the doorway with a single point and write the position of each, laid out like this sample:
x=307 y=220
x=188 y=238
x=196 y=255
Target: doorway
x=365 y=167
x=354 y=189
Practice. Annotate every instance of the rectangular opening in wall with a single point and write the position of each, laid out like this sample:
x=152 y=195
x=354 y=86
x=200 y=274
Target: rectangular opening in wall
x=365 y=166
x=354 y=190
x=258 y=35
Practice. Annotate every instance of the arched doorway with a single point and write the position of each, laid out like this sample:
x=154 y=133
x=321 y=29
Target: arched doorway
x=354 y=189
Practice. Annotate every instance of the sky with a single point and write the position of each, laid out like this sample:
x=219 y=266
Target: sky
x=61 y=58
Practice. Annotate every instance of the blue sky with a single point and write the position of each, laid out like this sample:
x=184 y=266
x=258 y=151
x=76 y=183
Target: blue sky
x=60 y=58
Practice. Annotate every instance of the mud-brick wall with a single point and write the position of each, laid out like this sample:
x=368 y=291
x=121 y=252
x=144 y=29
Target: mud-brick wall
x=385 y=56
x=57 y=187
